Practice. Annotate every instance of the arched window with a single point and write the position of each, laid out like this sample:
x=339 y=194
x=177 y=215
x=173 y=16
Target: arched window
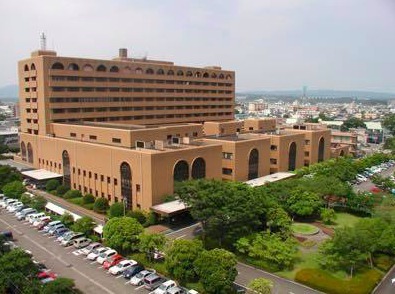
x=101 y=67
x=170 y=73
x=292 y=156
x=23 y=151
x=181 y=171
x=126 y=184
x=206 y=75
x=198 y=168
x=213 y=76
x=253 y=164
x=341 y=153
x=321 y=149
x=66 y=169
x=149 y=71
x=221 y=76
x=114 y=69
x=139 y=70
x=73 y=66
x=29 y=153
x=26 y=67
x=160 y=72
x=198 y=74
x=33 y=67
x=57 y=65
x=180 y=73
x=127 y=70
x=189 y=74
x=87 y=67
x=228 y=77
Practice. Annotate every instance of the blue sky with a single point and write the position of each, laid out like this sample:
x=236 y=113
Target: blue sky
x=271 y=44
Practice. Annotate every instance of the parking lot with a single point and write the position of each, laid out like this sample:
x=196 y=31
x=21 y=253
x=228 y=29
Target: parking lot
x=89 y=276
x=366 y=186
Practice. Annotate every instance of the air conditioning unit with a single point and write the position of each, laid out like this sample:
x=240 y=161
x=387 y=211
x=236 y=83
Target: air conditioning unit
x=140 y=144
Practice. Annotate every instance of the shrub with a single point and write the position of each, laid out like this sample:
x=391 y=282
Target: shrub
x=67 y=219
x=88 y=198
x=383 y=262
x=61 y=190
x=38 y=202
x=151 y=219
x=116 y=210
x=14 y=189
x=101 y=205
x=84 y=225
x=323 y=281
x=26 y=199
x=52 y=185
x=89 y=206
x=78 y=201
x=72 y=194
x=139 y=215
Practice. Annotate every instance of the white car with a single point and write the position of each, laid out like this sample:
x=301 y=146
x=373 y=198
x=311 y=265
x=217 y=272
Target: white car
x=138 y=279
x=33 y=217
x=162 y=289
x=13 y=206
x=7 y=202
x=95 y=253
x=121 y=267
x=65 y=235
x=40 y=219
x=104 y=255
x=89 y=248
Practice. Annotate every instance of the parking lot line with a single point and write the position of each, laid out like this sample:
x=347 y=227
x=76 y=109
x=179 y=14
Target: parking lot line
x=119 y=277
x=139 y=287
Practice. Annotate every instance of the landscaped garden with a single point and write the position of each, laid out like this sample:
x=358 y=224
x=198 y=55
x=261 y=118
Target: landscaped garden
x=304 y=229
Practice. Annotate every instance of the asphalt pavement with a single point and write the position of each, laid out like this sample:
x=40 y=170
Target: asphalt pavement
x=387 y=286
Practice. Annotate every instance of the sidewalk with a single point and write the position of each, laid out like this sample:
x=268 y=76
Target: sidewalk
x=97 y=217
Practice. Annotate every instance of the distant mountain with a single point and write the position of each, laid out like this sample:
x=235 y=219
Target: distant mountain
x=324 y=94
x=10 y=92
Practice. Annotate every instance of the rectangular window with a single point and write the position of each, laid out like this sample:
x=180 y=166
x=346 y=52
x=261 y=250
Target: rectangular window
x=96 y=193
x=95 y=176
x=138 y=188
x=60 y=166
x=73 y=170
x=92 y=137
x=101 y=178
x=227 y=155
x=227 y=171
x=102 y=194
x=79 y=172
x=307 y=142
x=116 y=140
x=74 y=186
x=73 y=135
x=306 y=153
x=115 y=182
x=273 y=161
x=90 y=174
x=273 y=147
x=115 y=199
x=251 y=128
x=195 y=134
x=84 y=172
x=108 y=180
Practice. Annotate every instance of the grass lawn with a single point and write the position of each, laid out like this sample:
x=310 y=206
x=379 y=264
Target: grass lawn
x=304 y=229
x=345 y=219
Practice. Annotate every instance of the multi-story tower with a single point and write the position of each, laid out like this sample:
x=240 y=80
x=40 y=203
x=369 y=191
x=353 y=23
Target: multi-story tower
x=123 y=90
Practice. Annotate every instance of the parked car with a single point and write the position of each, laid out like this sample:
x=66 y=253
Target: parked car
x=60 y=238
x=39 y=220
x=162 y=289
x=14 y=205
x=33 y=217
x=132 y=271
x=19 y=208
x=90 y=248
x=104 y=255
x=25 y=215
x=113 y=260
x=153 y=281
x=60 y=232
x=68 y=240
x=96 y=252
x=54 y=228
x=43 y=223
x=7 y=202
x=81 y=242
x=7 y=235
x=176 y=290
x=121 y=266
x=50 y=225
x=138 y=279
x=21 y=214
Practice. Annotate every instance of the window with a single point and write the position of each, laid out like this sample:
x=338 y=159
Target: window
x=138 y=188
x=84 y=173
x=90 y=174
x=92 y=137
x=251 y=128
x=227 y=171
x=307 y=142
x=79 y=172
x=181 y=171
x=116 y=140
x=102 y=178
x=66 y=169
x=227 y=155
x=95 y=176
x=253 y=162
x=73 y=135
x=115 y=182
x=108 y=180
x=273 y=161
x=195 y=134
x=198 y=168
x=273 y=147
x=306 y=153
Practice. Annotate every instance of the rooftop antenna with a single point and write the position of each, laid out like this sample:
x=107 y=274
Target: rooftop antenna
x=43 y=41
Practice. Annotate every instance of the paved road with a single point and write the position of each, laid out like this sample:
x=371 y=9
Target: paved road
x=386 y=286
x=88 y=276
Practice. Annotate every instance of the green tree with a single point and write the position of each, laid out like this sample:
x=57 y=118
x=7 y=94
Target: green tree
x=303 y=203
x=72 y=194
x=4 y=148
x=116 y=210
x=59 y=286
x=122 y=234
x=84 y=225
x=389 y=123
x=352 y=123
x=52 y=185
x=8 y=174
x=61 y=190
x=67 y=219
x=217 y=270
x=138 y=214
x=389 y=143
x=38 y=202
x=151 y=242
x=14 y=189
x=100 y=205
x=26 y=199
x=180 y=258
x=278 y=220
x=88 y=198
x=328 y=215
x=260 y=286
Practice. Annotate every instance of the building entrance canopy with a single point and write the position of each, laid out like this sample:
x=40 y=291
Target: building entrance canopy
x=170 y=208
x=41 y=175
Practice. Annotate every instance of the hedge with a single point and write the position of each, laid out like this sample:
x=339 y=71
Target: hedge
x=383 y=262
x=323 y=281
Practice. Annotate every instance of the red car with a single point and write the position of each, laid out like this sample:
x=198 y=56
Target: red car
x=113 y=260
x=46 y=274
x=42 y=224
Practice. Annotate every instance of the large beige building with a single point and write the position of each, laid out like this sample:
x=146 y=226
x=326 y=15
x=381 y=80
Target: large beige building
x=127 y=129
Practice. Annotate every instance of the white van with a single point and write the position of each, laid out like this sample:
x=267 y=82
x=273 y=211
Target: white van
x=37 y=221
x=31 y=218
x=81 y=242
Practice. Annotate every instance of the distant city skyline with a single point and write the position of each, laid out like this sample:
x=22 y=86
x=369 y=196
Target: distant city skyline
x=272 y=45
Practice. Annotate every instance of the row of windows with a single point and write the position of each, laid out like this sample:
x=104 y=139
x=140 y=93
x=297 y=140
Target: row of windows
x=30 y=131
x=132 y=99
x=131 y=90
x=150 y=81
x=147 y=108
